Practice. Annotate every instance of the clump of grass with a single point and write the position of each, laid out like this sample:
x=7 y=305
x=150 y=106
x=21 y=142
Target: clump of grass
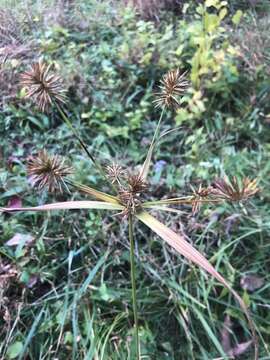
x=129 y=188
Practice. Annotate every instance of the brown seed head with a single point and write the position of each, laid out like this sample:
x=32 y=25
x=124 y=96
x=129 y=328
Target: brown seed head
x=47 y=171
x=198 y=195
x=136 y=184
x=129 y=195
x=130 y=201
x=43 y=86
x=173 y=85
x=234 y=190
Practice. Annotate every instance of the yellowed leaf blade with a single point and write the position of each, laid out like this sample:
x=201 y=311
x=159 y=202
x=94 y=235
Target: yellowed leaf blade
x=97 y=194
x=174 y=201
x=162 y=208
x=187 y=250
x=68 y=205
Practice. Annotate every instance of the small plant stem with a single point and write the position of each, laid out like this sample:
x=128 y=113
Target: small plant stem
x=133 y=283
x=83 y=145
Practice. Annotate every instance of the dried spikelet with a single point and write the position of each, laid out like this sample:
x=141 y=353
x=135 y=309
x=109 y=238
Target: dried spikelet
x=49 y=172
x=234 y=190
x=131 y=203
x=173 y=85
x=130 y=194
x=136 y=184
x=115 y=172
x=198 y=195
x=43 y=86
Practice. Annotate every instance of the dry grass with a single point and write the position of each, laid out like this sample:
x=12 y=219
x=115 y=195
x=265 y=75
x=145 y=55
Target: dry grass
x=254 y=43
x=15 y=49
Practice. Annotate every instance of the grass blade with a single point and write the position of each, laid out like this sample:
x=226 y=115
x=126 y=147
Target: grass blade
x=162 y=208
x=31 y=333
x=188 y=251
x=95 y=193
x=68 y=205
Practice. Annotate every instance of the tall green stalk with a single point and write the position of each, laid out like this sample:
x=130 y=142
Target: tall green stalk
x=133 y=283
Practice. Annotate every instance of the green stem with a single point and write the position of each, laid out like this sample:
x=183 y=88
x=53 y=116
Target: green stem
x=146 y=164
x=133 y=283
x=157 y=128
x=83 y=145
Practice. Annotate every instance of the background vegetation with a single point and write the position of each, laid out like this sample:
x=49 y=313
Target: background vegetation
x=64 y=278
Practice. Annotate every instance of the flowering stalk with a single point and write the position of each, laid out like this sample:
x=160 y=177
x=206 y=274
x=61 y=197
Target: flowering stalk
x=133 y=284
x=173 y=85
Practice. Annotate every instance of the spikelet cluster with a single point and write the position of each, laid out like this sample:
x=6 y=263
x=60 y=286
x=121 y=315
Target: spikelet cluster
x=42 y=86
x=173 y=85
x=48 y=172
x=115 y=172
x=234 y=190
x=200 y=194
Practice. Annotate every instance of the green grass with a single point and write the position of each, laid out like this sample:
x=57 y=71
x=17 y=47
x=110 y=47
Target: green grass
x=71 y=296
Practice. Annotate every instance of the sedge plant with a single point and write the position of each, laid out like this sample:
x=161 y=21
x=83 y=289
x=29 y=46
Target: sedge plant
x=129 y=189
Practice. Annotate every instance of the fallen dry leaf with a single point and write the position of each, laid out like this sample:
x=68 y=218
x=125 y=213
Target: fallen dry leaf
x=19 y=238
x=251 y=282
x=232 y=351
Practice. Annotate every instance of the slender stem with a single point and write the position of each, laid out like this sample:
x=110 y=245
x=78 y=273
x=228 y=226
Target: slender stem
x=157 y=128
x=133 y=283
x=146 y=164
x=83 y=145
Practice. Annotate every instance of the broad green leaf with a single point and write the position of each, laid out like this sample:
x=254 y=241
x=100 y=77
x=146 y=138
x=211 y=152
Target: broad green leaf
x=68 y=205
x=188 y=251
x=14 y=350
x=211 y=22
x=223 y=12
x=237 y=17
x=209 y=3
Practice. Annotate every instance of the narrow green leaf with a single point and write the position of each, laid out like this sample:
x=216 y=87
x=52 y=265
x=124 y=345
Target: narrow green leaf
x=31 y=333
x=188 y=251
x=210 y=333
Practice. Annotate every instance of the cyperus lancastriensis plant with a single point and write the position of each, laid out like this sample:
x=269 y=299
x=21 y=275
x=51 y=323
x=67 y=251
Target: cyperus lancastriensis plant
x=130 y=188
